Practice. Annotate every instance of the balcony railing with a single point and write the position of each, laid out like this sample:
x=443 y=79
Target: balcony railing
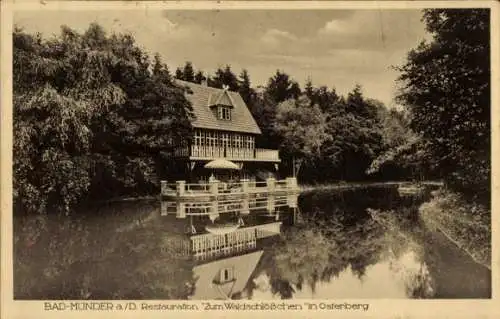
x=231 y=153
x=266 y=154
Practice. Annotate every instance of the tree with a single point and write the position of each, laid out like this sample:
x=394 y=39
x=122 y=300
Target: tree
x=244 y=88
x=404 y=154
x=281 y=88
x=89 y=114
x=58 y=88
x=355 y=136
x=188 y=72
x=179 y=74
x=446 y=87
x=225 y=77
x=199 y=77
x=303 y=130
x=309 y=89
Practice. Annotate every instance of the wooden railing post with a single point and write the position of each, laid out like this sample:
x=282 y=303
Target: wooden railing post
x=164 y=187
x=244 y=185
x=291 y=183
x=181 y=210
x=271 y=184
x=164 y=208
x=214 y=187
x=245 y=205
x=180 y=187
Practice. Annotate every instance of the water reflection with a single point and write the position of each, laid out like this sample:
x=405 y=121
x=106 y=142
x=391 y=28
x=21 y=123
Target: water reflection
x=351 y=244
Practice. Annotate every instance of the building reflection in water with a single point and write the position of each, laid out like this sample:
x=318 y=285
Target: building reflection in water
x=225 y=237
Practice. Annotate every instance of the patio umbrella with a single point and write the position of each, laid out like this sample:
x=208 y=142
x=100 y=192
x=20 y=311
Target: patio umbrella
x=222 y=164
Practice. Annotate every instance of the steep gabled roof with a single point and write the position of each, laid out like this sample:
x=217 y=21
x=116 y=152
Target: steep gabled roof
x=243 y=267
x=224 y=99
x=203 y=97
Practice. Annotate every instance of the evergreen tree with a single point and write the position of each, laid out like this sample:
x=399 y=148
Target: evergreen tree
x=281 y=88
x=188 y=72
x=179 y=74
x=199 y=77
x=225 y=77
x=309 y=89
x=246 y=91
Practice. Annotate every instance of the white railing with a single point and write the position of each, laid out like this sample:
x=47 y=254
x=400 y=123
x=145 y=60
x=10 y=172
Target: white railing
x=210 y=245
x=266 y=154
x=197 y=188
x=181 y=151
x=229 y=153
x=181 y=188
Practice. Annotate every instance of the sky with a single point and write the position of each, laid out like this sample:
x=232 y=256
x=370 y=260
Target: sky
x=336 y=48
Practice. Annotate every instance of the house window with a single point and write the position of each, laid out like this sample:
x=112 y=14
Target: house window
x=226 y=274
x=238 y=141
x=197 y=138
x=224 y=113
x=202 y=139
x=225 y=139
x=218 y=142
x=211 y=139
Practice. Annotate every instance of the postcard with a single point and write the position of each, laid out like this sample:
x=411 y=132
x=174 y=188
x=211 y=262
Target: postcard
x=247 y=158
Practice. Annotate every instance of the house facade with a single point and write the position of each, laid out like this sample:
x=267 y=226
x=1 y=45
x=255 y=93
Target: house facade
x=225 y=129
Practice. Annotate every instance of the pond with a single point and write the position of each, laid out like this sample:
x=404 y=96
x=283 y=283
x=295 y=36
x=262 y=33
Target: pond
x=364 y=243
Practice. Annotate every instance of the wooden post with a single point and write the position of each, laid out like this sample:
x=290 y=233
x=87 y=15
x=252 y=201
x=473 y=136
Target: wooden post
x=291 y=183
x=244 y=185
x=214 y=204
x=180 y=187
x=271 y=184
x=291 y=200
x=164 y=208
x=181 y=210
x=245 y=207
x=214 y=187
x=164 y=187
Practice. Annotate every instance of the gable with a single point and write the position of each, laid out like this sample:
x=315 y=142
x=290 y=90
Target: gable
x=202 y=97
x=224 y=99
x=243 y=267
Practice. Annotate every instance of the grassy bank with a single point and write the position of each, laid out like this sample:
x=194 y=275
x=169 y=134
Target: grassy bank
x=466 y=224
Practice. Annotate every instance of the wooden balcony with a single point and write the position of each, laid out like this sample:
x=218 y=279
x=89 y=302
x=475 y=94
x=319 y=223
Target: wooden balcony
x=196 y=152
x=206 y=246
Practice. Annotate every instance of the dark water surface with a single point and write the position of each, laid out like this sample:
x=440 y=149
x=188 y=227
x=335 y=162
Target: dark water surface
x=367 y=243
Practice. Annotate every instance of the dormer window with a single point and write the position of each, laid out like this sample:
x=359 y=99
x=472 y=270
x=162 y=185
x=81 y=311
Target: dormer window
x=224 y=113
x=225 y=275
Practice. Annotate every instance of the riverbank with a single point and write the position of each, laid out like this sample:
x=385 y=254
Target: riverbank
x=354 y=185
x=467 y=225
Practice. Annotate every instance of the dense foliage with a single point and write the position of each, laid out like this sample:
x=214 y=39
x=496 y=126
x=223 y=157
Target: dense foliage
x=446 y=87
x=92 y=116
x=321 y=135
x=446 y=90
x=96 y=117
